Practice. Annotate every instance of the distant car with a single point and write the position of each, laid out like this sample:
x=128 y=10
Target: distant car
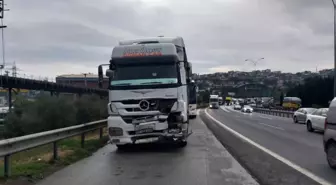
x=316 y=120
x=237 y=107
x=329 y=137
x=300 y=116
x=247 y=109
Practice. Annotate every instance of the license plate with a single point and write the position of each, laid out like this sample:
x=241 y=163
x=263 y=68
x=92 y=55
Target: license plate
x=140 y=129
x=148 y=130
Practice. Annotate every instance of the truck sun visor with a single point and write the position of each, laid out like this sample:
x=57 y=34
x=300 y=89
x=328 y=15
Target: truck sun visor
x=162 y=49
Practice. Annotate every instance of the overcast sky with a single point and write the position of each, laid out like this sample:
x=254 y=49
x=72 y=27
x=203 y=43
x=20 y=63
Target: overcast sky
x=50 y=38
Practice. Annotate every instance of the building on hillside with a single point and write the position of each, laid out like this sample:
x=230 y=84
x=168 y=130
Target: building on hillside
x=82 y=80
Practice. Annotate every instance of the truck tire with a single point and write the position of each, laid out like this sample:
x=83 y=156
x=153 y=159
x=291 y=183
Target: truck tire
x=182 y=144
x=192 y=116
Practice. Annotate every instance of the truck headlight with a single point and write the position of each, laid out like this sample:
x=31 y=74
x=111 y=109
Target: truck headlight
x=115 y=131
x=112 y=109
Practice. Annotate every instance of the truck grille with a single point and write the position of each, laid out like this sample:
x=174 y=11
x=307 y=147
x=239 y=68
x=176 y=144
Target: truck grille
x=129 y=119
x=162 y=105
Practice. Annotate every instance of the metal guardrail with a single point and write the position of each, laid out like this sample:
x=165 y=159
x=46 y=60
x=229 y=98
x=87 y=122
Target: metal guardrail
x=281 y=113
x=18 y=144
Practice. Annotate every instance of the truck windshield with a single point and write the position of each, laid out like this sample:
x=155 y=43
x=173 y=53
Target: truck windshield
x=147 y=74
x=213 y=100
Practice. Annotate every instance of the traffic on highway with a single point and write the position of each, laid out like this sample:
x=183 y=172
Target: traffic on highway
x=153 y=115
x=162 y=92
x=313 y=154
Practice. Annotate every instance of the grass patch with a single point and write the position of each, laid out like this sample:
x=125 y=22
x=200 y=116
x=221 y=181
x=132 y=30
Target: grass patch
x=2 y=130
x=37 y=163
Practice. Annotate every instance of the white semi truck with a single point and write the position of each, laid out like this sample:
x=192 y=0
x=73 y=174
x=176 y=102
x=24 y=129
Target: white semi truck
x=214 y=101
x=148 y=97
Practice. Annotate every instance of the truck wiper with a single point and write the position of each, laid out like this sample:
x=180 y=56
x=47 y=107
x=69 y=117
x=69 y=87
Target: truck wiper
x=126 y=84
x=149 y=83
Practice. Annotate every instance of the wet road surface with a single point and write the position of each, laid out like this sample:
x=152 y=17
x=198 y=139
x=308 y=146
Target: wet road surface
x=204 y=161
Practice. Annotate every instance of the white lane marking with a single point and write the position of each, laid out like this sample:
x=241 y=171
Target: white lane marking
x=224 y=109
x=275 y=155
x=265 y=117
x=279 y=128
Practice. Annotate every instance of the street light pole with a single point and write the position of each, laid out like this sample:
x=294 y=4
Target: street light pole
x=255 y=62
x=333 y=1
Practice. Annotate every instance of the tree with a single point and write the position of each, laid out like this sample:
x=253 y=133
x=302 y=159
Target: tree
x=281 y=98
x=48 y=113
x=315 y=91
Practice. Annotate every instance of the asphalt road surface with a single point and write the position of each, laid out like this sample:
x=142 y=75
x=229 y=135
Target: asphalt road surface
x=279 y=135
x=204 y=161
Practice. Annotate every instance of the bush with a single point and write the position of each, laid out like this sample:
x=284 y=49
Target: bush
x=48 y=113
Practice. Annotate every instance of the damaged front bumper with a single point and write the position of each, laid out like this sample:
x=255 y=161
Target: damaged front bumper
x=121 y=133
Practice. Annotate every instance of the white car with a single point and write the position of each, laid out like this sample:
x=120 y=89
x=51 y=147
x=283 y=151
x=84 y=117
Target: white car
x=300 y=116
x=237 y=107
x=316 y=120
x=247 y=109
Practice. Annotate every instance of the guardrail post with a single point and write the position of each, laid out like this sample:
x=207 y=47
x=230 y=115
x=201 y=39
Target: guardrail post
x=7 y=166
x=82 y=140
x=55 y=150
x=10 y=98
x=100 y=133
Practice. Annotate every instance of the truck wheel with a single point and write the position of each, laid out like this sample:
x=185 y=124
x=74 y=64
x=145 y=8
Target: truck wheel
x=182 y=144
x=192 y=116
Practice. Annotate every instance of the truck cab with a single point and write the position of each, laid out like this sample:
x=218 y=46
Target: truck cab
x=214 y=101
x=148 y=96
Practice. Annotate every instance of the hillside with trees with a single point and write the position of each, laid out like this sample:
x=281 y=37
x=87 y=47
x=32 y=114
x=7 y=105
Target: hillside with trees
x=316 y=92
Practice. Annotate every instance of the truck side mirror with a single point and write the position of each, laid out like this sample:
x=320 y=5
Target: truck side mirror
x=109 y=73
x=190 y=68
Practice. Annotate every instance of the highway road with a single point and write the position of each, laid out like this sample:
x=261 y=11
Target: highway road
x=278 y=135
x=203 y=161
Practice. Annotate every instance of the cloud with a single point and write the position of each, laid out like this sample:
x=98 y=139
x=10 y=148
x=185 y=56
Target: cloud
x=220 y=35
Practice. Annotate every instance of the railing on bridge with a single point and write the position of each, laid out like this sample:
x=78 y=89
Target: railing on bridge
x=43 y=85
x=274 y=112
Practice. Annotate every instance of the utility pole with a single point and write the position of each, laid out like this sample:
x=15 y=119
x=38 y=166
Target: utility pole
x=2 y=26
x=333 y=1
x=14 y=70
